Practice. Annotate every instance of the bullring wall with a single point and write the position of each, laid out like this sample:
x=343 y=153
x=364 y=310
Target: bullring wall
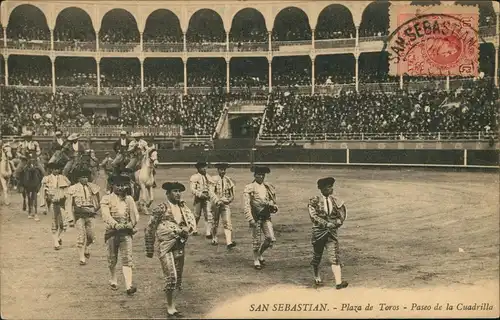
x=290 y=155
x=453 y=153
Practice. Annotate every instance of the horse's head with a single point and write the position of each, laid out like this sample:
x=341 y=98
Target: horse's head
x=151 y=157
x=7 y=151
x=30 y=158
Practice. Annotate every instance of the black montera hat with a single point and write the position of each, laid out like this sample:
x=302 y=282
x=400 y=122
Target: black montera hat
x=260 y=170
x=325 y=182
x=201 y=164
x=222 y=165
x=118 y=180
x=169 y=186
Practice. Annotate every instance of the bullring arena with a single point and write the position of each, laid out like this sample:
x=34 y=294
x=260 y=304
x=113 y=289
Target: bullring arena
x=302 y=87
x=403 y=235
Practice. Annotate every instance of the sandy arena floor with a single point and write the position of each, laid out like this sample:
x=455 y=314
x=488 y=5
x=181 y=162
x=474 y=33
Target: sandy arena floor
x=400 y=244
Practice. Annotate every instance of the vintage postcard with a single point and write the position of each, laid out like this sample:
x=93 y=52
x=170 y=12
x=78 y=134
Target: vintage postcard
x=263 y=159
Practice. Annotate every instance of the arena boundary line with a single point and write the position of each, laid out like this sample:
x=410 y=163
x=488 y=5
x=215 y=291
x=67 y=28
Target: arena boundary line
x=407 y=165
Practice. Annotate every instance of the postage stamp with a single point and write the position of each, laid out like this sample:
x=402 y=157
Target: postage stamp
x=433 y=40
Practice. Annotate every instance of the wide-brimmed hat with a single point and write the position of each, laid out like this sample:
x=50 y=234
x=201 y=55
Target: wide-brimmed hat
x=123 y=133
x=325 y=182
x=73 y=137
x=169 y=186
x=27 y=134
x=222 y=165
x=58 y=132
x=137 y=134
x=260 y=170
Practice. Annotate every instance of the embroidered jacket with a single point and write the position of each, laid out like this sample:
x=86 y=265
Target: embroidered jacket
x=53 y=188
x=78 y=197
x=320 y=217
x=165 y=230
x=256 y=207
x=222 y=188
x=116 y=211
x=199 y=183
x=28 y=146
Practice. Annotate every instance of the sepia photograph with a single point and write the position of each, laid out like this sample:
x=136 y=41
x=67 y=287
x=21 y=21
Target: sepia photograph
x=154 y=166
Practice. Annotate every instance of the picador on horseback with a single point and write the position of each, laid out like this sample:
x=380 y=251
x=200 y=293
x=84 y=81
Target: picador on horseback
x=136 y=149
x=74 y=149
x=57 y=143
x=121 y=153
x=28 y=150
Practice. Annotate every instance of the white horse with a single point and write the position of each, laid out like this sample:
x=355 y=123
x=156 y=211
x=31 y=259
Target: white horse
x=145 y=178
x=5 y=170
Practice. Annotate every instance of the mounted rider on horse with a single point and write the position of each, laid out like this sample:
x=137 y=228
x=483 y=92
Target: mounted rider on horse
x=28 y=150
x=74 y=149
x=57 y=144
x=136 y=149
x=73 y=155
x=121 y=150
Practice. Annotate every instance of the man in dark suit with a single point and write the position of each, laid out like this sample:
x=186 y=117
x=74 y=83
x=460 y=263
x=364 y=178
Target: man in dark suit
x=75 y=149
x=120 y=147
x=57 y=143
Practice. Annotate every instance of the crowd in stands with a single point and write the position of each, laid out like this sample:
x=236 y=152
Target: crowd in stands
x=244 y=72
x=198 y=114
x=470 y=108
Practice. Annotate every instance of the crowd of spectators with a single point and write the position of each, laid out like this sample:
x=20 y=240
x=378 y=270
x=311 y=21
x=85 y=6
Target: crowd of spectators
x=244 y=72
x=197 y=114
x=470 y=108
x=120 y=27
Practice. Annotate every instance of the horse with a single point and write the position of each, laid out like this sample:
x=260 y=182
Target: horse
x=6 y=171
x=145 y=179
x=30 y=182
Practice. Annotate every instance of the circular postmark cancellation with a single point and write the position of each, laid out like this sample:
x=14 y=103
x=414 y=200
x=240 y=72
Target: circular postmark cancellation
x=442 y=41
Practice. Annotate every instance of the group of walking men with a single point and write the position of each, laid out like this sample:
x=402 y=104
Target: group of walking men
x=172 y=222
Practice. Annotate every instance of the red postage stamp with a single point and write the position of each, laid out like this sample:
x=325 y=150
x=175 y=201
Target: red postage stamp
x=433 y=41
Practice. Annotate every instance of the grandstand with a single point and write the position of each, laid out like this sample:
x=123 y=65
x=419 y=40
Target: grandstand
x=232 y=75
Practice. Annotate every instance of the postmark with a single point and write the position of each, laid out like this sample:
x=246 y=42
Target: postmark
x=433 y=41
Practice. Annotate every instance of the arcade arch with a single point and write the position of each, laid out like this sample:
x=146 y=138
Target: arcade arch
x=74 y=23
x=118 y=26
x=291 y=24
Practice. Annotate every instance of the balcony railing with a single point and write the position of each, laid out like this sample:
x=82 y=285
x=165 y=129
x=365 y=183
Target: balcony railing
x=28 y=44
x=163 y=47
x=74 y=46
x=484 y=31
x=391 y=136
x=373 y=38
x=120 y=47
x=248 y=46
x=111 y=131
x=206 y=47
x=335 y=43
x=487 y=31
x=437 y=84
